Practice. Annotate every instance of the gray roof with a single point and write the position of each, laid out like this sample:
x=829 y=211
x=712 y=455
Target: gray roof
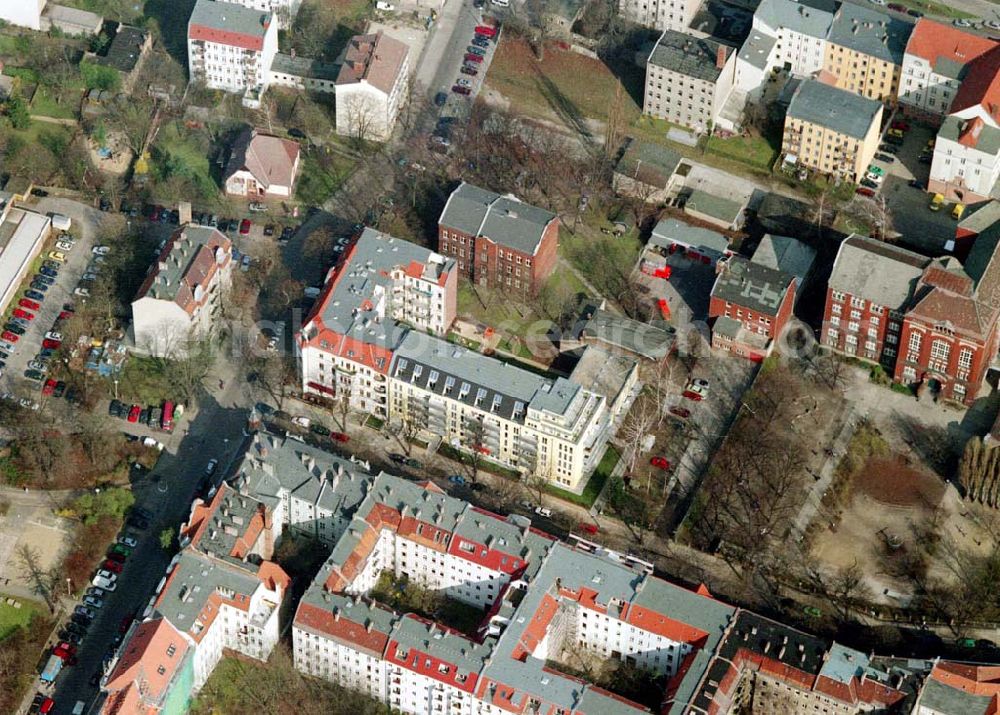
x=125 y=50
x=751 y=285
x=939 y=698
x=505 y=220
x=785 y=254
x=232 y=514
x=670 y=230
x=880 y=272
x=230 y=17
x=729 y=327
x=757 y=49
x=416 y=634
x=836 y=109
x=872 y=32
x=373 y=256
x=179 y=256
x=442 y=510
x=470 y=377
x=717 y=207
x=305 y=67
x=807 y=17
x=988 y=140
x=689 y=55
x=650 y=341
x=602 y=372
x=649 y=163
x=195 y=577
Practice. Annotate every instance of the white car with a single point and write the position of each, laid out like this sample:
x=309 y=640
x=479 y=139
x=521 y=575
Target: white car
x=301 y=421
x=104 y=575
x=97 y=259
x=128 y=541
x=64 y=246
x=876 y=178
x=992 y=24
x=54 y=335
x=543 y=511
x=211 y=466
x=82 y=292
x=93 y=601
x=36 y=365
x=463 y=82
x=101 y=250
x=104 y=584
x=959 y=22
x=88 y=276
x=28 y=404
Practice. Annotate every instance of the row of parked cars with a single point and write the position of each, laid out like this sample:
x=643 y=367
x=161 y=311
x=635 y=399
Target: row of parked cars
x=160 y=417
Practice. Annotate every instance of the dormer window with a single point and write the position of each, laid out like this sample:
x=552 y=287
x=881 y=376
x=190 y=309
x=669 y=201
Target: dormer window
x=401 y=365
x=466 y=387
x=433 y=378
x=480 y=396
x=449 y=383
x=418 y=370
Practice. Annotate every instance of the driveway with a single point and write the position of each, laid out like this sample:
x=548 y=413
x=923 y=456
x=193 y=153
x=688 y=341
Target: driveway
x=87 y=223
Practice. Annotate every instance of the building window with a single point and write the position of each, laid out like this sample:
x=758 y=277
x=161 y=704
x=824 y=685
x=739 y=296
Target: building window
x=965 y=359
x=915 y=341
x=940 y=351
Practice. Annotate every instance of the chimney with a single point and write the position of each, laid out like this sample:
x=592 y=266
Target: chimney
x=720 y=57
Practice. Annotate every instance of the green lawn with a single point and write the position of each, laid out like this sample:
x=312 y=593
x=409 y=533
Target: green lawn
x=321 y=176
x=13 y=618
x=45 y=104
x=758 y=152
x=594 y=485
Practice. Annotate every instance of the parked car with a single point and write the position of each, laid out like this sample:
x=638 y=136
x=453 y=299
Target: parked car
x=457 y=479
x=865 y=191
x=49 y=388
x=459 y=89
x=469 y=71
x=64 y=245
x=82 y=292
x=472 y=57
x=133 y=413
x=210 y=468
x=588 y=528
x=480 y=41
x=34 y=295
x=679 y=411
x=474 y=50
x=887 y=158
x=339 y=437
x=14 y=328
x=93 y=601
x=440 y=98
x=84 y=611
x=660 y=462
x=34 y=375
x=9 y=336
x=128 y=541
x=245 y=227
x=543 y=511
x=100 y=250
x=29 y=304
x=137 y=522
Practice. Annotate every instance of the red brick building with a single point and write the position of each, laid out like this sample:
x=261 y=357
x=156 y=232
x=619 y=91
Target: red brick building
x=751 y=304
x=499 y=241
x=931 y=323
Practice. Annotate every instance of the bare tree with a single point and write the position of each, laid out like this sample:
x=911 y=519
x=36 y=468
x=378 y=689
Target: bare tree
x=43 y=582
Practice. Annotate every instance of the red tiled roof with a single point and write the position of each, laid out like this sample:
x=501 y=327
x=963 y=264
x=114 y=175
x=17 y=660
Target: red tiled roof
x=343 y=629
x=981 y=85
x=933 y=42
x=149 y=658
x=226 y=37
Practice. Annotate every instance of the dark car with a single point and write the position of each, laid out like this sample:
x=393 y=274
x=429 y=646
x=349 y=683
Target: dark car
x=397 y=458
x=479 y=51
x=889 y=148
x=142 y=513
x=34 y=375
x=914 y=13
x=297 y=133
x=38 y=286
x=469 y=71
x=898 y=141
x=897 y=7
x=80 y=620
x=480 y=41
x=914 y=183
x=868 y=184
x=319 y=429
x=116 y=408
x=34 y=295
x=14 y=328
x=104 y=204
x=269 y=229
x=459 y=89
x=440 y=98
x=48 y=272
x=925 y=159
x=887 y=158
x=286 y=233
x=60 y=389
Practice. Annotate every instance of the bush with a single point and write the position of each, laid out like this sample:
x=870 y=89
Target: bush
x=88 y=548
x=100 y=77
x=111 y=503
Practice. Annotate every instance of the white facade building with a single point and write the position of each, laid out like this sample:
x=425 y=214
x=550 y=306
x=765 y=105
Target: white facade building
x=181 y=297
x=23 y=13
x=372 y=86
x=660 y=14
x=966 y=163
x=282 y=10
x=231 y=48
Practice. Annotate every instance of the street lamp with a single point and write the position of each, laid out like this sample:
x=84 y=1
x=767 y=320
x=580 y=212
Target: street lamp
x=69 y=587
x=116 y=388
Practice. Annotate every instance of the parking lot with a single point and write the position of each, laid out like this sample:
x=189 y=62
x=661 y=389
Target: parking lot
x=86 y=222
x=920 y=228
x=687 y=291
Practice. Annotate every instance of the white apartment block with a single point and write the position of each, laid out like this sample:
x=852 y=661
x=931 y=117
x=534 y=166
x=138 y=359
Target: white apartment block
x=660 y=14
x=937 y=58
x=282 y=10
x=541 y=599
x=23 y=13
x=372 y=86
x=966 y=162
x=688 y=80
x=181 y=299
x=231 y=48
x=510 y=416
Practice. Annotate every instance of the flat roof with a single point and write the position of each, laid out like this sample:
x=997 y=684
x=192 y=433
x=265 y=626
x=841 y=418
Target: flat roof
x=27 y=230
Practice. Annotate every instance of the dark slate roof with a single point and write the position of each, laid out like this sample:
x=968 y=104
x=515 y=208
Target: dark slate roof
x=870 y=31
x=836 y=109
x=649 y=341
x=305 y=67
x=125 y=49
x=751 y=285
x=504 y=220
x=689 y=55
x=882 y=273
x=807 y=17
x=649 y=163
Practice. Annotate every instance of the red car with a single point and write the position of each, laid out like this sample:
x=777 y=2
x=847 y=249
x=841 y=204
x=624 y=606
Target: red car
x=588 y=528
x=678 y=411
x=19 y=313
x=865 y=191
x=245 y=227
x=486 y=30
x=29 y=304
x=660 y=462
x=125 y=623
x=116 y=557
x=133 y=414
x=692 y=395
x=112 y=566
x=459 y=89
x=901 y=125
x=46 y=706
x=339 y=436
x=65 y=315
x=50 y=387
x=9 y=336
x=50 y=344
x=470 y=57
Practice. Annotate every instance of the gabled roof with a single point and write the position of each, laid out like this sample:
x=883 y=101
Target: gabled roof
x=973 y=133
x=147 y=663
x=697 y=57
x=648 y=163
x=836 y=109
x=270 y=160
x=981 y=86
x=871 y=32
x=807 y=17
x=948 y=50
x=503 y=219
x=229 y=23
x=785 y=254
x=880 y=272
x=376 y=59
x=186 y=265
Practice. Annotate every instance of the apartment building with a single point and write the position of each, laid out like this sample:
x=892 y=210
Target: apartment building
x=540 y=600
x=372 y=86
x=660 y=14
x=959 y=689
x=766 y=667
x=932 y=324
x=832 y=131
x=864 y=51
x=220 y=592
x=688 y=80
x=261 y=166
x=346 y=343
x=180 y=301
x=937 y=59
x=499 y=241
x=283 y=11
x=535 y=424
x=231 y=47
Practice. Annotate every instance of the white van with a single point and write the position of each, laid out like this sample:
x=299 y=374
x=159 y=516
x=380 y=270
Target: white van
x=79 y=707
x=60 y=222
